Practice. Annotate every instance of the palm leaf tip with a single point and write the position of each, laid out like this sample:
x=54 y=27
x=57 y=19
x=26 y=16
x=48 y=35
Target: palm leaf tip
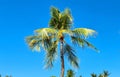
x=91 y=46
x=71 y=56
x=33 y=43
x=75 y=63
x=68 y=13
x=82 y=42
x=51 y=54
x=84 y=32
x=30 y=40
x=54 y=10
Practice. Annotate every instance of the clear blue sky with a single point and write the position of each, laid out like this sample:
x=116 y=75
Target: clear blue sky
x=19 y=18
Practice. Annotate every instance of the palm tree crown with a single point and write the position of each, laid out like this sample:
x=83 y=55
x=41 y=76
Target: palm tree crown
x=106 y=73
x=50 y=38
x=70 y=73
x=93 y=75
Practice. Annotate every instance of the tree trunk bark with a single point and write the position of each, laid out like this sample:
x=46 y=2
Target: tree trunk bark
x=62 y=58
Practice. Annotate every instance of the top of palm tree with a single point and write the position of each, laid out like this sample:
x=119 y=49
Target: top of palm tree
x=106 y=73
x=93 y=75
x=70 y=73
x=60 y=20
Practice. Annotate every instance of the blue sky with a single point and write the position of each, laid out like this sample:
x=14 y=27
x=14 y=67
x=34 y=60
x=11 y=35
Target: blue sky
x=19 y=18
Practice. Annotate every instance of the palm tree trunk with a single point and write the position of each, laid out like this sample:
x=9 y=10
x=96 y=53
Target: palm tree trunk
x=62 y=58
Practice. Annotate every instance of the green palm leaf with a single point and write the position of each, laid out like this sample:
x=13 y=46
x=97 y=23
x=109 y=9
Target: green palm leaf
x=51 y=54
x=68 y=32
x=70 y=73
x=60 y=20
x=34 y=42
x=93 y=75
x=83 y=32
x=66 y=19
x=55 y=18
x=71 y=55
x=82 y=42
x=45 y=32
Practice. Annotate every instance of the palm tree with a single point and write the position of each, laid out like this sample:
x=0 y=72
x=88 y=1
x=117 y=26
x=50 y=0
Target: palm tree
x=49 y=39
x=93 y=75
x=70 y=73
x=106 y=73
x=101 y=75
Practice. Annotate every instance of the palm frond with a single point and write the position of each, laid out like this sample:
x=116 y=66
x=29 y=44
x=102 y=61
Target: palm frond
x=77 y=41
x=67 y=12
x=71 y=55
x=29 y=38
x=33 y=42
x=55 y=12
x=65 y=32
x=51 y=54
x=90 y=45
x=82 y=42
x=60 y=20
x=66 y=19
x=55 y=18
x=45 y=32
x=84 y=32
x=46 y=43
